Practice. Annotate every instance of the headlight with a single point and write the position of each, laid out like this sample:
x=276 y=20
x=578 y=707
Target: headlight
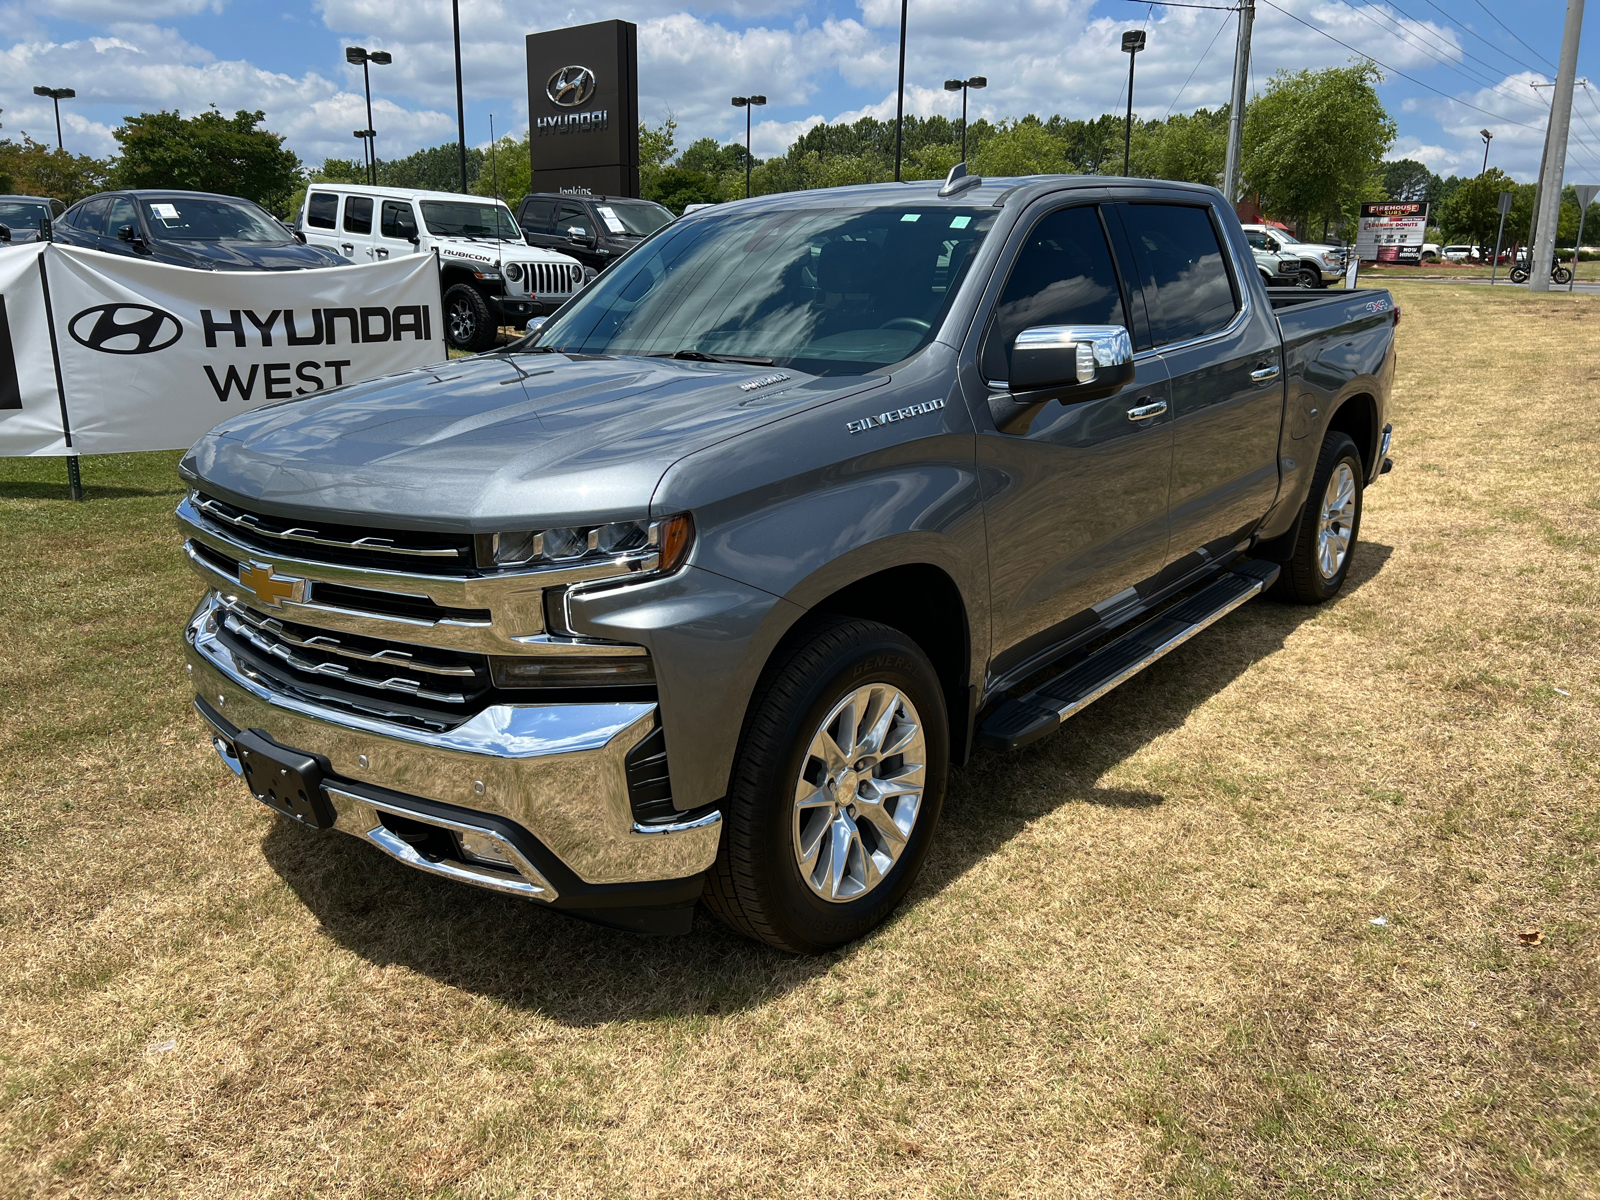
x=514 y=271
x=640 y=545
x=1331 y=259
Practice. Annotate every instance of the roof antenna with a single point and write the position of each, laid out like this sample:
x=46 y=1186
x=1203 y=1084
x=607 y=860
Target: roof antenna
x=959 y=181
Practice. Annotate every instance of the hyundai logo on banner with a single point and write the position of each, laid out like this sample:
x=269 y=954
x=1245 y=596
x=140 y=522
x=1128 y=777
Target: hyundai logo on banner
x=125 y=328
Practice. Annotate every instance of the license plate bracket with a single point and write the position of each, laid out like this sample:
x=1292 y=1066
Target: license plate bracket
x=285 y=780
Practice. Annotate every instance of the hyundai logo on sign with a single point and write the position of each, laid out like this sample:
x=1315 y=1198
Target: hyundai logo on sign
x=570 y=86
x=125 y=328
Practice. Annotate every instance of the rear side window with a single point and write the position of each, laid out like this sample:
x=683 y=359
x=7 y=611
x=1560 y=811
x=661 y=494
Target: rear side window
x=398 y=219
x=321 y=210
x=92 y=217
x=1181 y=268
x=538 y=216
x=1063 y=276
x=358 y=214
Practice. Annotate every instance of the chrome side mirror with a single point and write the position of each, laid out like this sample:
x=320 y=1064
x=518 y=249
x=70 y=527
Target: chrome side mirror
x=534 y=325
x=1069 y=363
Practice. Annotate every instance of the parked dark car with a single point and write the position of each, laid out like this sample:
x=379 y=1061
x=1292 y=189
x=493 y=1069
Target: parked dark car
x=189 y=229
x=593 y=229
x=20 y=217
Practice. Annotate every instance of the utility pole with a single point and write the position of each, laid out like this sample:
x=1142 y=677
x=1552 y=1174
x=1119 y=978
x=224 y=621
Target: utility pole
x=1544 y=243
x=900 y=93
x=1241 y=76
x=461 y=109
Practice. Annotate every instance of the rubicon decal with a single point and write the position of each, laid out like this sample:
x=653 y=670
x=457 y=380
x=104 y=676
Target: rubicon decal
x=125 y=328
x=893 y=415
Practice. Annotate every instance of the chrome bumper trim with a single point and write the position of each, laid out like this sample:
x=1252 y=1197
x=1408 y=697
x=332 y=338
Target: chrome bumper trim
x=557 y=770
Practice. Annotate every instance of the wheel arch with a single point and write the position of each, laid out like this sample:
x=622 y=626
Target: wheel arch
x=1357 y=416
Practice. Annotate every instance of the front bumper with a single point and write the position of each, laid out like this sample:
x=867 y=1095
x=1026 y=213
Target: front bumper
x=549 y=779
x=515 y=308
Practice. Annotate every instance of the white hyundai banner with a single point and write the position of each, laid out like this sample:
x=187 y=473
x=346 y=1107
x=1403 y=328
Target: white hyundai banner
x=136 y=355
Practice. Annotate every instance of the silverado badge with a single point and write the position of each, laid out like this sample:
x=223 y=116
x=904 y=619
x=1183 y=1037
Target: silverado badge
x=270 y=588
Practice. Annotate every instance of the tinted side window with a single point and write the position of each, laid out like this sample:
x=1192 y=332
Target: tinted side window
x=358 y=214
x=92 y=218
x=1181 y=268
x=321 y=210
x=1256 y=238
x=398 y=219
x=122 y=213
x=573 y=214
x=1063 y=276
x=538 y=216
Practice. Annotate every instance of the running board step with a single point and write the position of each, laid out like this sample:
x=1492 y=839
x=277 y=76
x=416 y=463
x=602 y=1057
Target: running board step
x=1026 y=719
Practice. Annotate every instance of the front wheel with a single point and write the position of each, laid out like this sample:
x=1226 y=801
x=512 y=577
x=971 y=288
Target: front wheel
x=1561 y=275
x=1329 y=526
x=1309 y=277
x=836 y=789
x=468 y=323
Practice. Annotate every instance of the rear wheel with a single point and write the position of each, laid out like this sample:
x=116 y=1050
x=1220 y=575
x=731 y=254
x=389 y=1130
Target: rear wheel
x=836 y=790
x=468 y=323
x=1329 y=526
x=1519 y=275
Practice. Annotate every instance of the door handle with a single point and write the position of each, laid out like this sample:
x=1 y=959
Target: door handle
x=382 y=252
x=349 y=250
x=1264 y=374
x=1145 y=411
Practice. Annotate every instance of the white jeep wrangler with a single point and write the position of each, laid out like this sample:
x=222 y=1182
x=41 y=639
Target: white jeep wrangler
x=489 y=275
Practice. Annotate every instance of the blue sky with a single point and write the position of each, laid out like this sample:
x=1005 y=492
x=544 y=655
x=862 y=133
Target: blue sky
x=815 y=60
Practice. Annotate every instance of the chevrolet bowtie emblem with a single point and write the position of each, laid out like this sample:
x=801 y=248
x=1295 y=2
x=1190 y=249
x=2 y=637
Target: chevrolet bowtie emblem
x=271 y=589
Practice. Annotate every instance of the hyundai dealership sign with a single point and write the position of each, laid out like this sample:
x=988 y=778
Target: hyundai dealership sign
x=583 y=109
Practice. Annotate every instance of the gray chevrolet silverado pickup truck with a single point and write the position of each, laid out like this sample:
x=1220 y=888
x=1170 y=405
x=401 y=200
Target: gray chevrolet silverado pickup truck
x=697 y=593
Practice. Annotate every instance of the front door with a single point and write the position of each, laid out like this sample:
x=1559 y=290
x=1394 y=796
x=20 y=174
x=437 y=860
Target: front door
x=1077 y=505
x=1224 y=359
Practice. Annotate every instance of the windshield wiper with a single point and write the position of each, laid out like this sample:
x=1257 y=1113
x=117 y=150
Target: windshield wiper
x=702 y=356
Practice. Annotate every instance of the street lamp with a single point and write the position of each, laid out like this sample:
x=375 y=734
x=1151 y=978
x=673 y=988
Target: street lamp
x=1487 y=138
x=58 y=95
x=961 y=85
x=1132 y=43
x=747 y=103
x=358 y=56
x=461 y=108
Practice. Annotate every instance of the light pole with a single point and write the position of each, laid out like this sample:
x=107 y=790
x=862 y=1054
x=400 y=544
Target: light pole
x=961 y=85
x=461 y=109
x=1487 y=138
x=359 y=56
x=900 y=93
x=747 y=103
x=57 y=95
x=1132 y=43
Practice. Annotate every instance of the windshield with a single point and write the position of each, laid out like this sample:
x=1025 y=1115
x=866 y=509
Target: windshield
x=1285 y=237
x=197 y=219
x=829 y=291
x=23 y=213
x=638 y=219
x=467 y=218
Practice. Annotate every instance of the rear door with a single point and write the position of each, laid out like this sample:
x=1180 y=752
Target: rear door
x=321 y=225
x=1077 y=505
x=355 y=229
x=1224 y=358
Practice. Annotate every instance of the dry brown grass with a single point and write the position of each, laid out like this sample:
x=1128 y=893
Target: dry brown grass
x=1141 y=959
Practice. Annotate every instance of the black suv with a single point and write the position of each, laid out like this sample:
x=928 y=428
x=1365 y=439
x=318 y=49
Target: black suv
x=592 y=229
x=189 y=229
x=20 y=217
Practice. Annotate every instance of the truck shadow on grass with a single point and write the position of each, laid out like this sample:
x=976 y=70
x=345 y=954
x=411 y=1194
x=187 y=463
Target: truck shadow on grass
x=581 y=974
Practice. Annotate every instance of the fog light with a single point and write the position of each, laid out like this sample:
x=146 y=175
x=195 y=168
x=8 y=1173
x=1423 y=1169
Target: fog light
x=485 y=848
x=561 y=670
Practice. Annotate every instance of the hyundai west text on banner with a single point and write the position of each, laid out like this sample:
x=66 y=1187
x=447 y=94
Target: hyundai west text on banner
x=149 y=356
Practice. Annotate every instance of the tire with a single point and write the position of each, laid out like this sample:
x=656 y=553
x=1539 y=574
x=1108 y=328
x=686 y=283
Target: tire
x=1519 y=275
x=468 y=325
x=1306 y=578
x=1309 y=277
x=764 y=885
x=1562 y=275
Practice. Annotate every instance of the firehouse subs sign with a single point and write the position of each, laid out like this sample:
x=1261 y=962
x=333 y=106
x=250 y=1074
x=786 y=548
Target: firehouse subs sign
x=104 y=354
x=1392 y=231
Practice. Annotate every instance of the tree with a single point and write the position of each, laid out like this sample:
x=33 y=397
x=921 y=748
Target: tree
x=1191 y=148
x=677 y=187
x=207 y=153
x=656 y=150
x=1407 y=179
x=33 y=169
x=506 y=171
x=1313 y=141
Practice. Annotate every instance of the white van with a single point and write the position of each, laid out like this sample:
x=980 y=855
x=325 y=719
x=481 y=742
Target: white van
x=489 y=275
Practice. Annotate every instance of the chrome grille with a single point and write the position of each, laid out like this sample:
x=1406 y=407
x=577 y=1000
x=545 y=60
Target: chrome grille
x=430 y=552
x=554 y=279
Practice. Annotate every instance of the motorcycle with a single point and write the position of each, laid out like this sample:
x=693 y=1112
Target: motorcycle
x=1523 y=271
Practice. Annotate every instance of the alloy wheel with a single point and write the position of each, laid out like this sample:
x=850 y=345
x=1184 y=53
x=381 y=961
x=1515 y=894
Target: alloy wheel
x=463 y=323
x=1338 y=517
x=859 y=792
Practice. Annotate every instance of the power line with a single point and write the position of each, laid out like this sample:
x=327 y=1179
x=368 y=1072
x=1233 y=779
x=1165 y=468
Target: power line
x=1492 y=45
x=1462 y=49
x=1176 y=4
x=1513 y=33
x=1197 y=65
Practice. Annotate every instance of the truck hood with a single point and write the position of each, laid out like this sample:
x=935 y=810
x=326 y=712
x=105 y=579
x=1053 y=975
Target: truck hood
x=500 y=441
x=487 y=251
